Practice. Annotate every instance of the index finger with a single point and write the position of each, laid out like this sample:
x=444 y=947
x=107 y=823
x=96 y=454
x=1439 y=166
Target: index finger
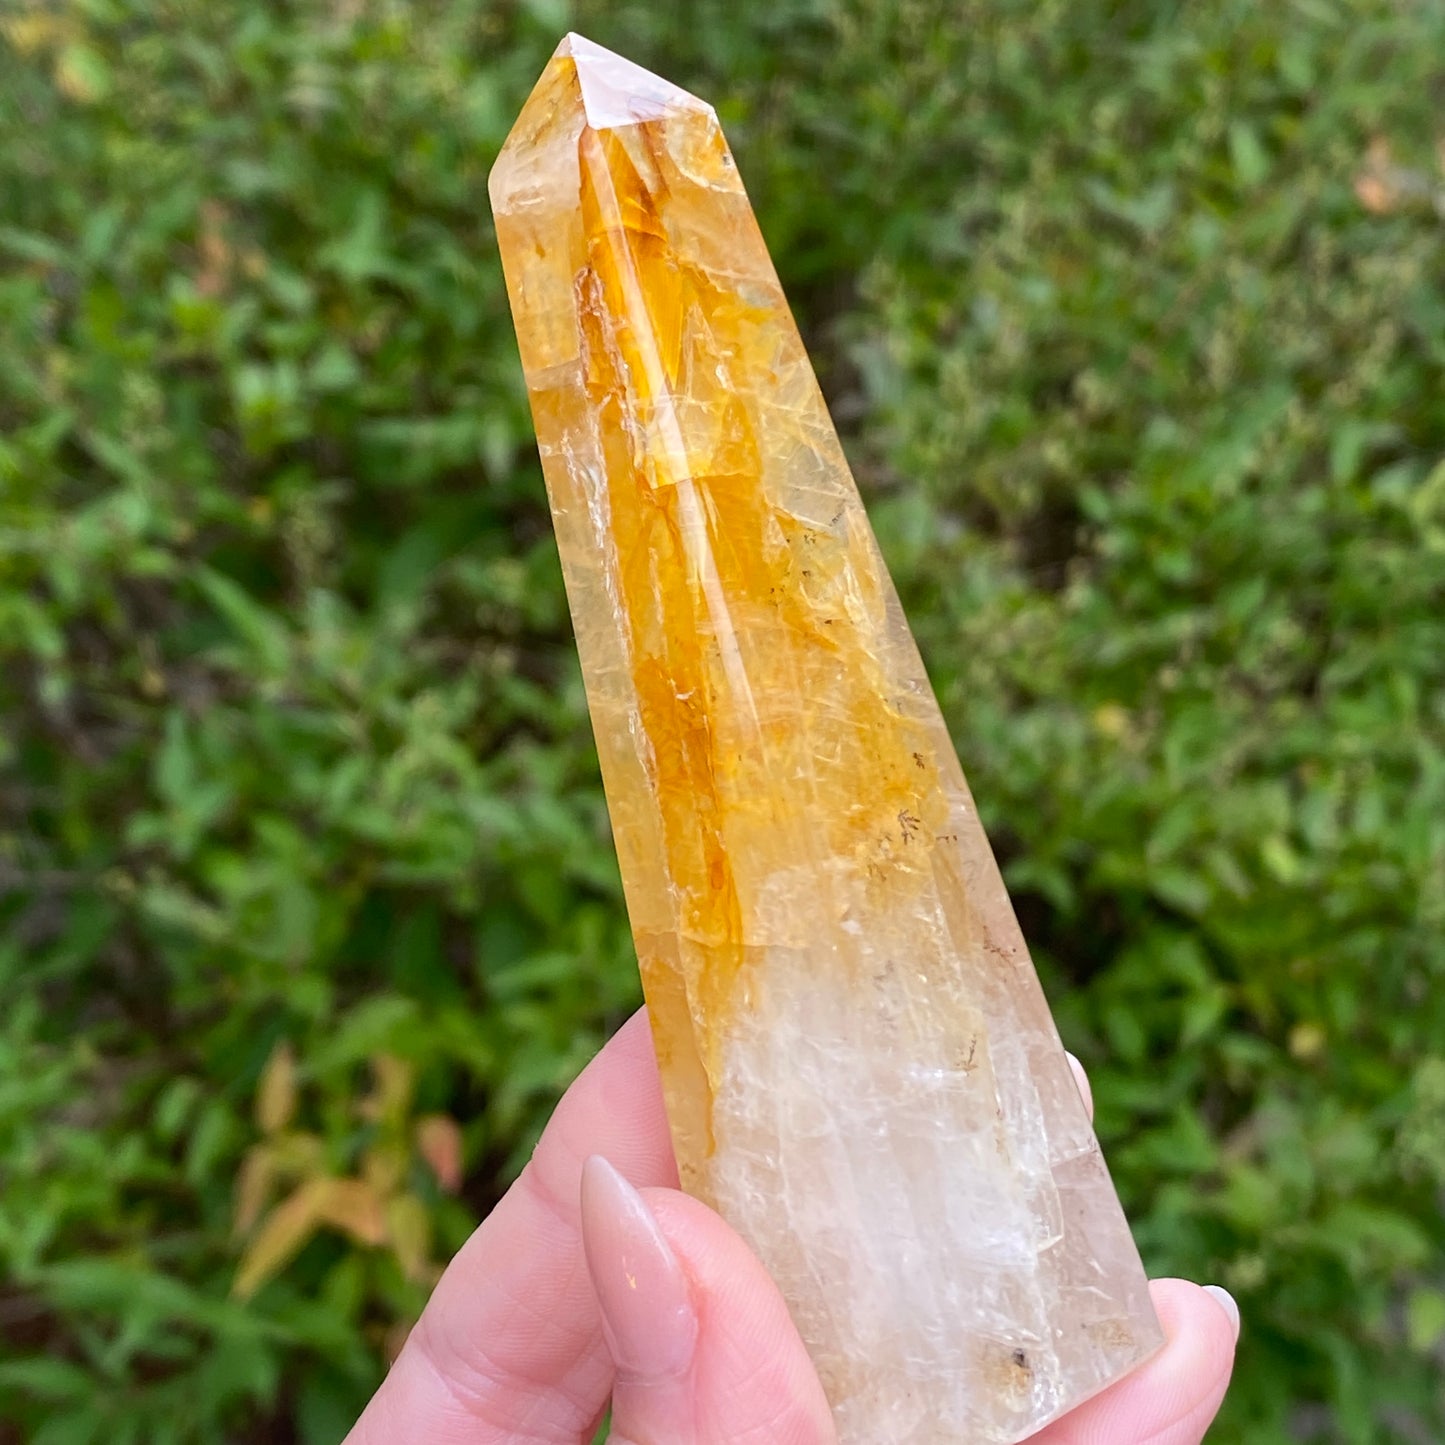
x=510 y=1345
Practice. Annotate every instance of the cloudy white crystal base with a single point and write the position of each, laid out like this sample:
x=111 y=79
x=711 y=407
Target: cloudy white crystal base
x=942 y=1223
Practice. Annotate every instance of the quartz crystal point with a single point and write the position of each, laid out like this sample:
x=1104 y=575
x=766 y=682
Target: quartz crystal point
x=860 y=1069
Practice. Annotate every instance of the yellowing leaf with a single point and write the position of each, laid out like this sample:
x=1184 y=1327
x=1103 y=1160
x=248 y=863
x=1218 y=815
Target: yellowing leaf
x=297 y=1154
x=29 y=33
x=384 y=1167
x=1111 y=720
x=282 y=1237
x=388 y=1101
x=353 y=1207
x=1307 y=1040
x=253 y=1186
x=439 y=1142
x=408 y=1227
x=276 y=1092
x=347 y=1205
x=213 y=249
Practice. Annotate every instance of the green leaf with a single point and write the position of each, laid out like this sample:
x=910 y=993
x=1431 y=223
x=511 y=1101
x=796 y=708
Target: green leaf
x=1247 y=154
x=1425 y=1320
x=82 y=74
x=263 y=633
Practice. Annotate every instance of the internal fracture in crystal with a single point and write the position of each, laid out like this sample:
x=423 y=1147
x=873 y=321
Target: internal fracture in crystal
x=860 y=1068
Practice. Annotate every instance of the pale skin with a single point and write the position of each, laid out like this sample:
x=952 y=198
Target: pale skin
x=596 y=1281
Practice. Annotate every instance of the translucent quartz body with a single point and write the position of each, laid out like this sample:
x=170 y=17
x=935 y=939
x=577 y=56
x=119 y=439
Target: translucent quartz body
x=860 y=1068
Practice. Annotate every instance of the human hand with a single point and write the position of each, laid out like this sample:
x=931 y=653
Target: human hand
x=579 y=1288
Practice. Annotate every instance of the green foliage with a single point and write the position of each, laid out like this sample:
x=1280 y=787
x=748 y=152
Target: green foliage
x=1165 y=375
x=1133 y=313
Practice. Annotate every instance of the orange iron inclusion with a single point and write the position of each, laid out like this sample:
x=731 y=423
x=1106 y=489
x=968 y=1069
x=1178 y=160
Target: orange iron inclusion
x=860 y=1068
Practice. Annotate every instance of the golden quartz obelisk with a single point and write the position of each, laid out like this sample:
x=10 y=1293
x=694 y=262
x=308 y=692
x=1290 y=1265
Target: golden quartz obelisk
x=860 y=1068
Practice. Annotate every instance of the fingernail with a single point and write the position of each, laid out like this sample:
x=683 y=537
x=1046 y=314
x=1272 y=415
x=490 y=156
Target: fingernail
x=1082 y=1080
x=1226 y=1303
x=647 y=1313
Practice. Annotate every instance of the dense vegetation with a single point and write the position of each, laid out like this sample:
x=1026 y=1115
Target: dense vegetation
x=1134 y=314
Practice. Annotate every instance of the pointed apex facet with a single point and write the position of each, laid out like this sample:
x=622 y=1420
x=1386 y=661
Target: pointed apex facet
x=584 y=87
x=617 y=92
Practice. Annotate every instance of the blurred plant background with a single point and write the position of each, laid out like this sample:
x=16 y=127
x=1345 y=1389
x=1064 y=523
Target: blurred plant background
x=1133 y=314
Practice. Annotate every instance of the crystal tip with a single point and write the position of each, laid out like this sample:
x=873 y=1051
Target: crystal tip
x=617 y=91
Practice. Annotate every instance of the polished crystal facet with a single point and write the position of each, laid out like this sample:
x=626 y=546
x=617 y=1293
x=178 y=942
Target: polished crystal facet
x=860 y=1068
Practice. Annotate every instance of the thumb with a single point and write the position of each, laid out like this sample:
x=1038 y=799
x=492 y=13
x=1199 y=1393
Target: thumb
x=703 y=1346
